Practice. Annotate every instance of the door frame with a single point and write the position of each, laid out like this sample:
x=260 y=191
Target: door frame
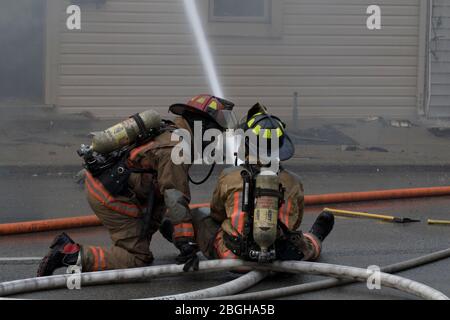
x=422 y=58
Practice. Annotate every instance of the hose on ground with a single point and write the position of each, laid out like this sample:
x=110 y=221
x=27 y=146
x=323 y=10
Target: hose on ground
x=331 y=283
x=92 y=220
x=108 y=277
x=237 y=285
x=126 y=275
x=415 y=288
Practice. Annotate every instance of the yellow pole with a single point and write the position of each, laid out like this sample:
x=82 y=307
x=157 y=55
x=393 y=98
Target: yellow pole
x=443 y=222
x=360 y=214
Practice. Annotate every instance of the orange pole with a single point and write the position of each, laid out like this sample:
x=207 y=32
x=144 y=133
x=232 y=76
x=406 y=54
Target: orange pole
x=90 y=221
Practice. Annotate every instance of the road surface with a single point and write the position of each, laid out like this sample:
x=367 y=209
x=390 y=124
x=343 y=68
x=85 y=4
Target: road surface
x=38 y=193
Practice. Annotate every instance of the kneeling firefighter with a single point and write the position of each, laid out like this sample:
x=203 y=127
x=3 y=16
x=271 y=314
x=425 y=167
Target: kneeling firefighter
x=134 y=188
x=256 y=210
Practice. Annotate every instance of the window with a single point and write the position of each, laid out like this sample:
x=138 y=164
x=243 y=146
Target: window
x=243 y=18
x=240 y=10
x=82 y=2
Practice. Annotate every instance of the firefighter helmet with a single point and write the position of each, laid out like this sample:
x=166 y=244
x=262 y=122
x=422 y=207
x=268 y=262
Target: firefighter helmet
x=264 y=126
x=211 y=108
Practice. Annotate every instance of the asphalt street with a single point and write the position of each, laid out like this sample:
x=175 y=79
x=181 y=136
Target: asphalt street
x=38 y=193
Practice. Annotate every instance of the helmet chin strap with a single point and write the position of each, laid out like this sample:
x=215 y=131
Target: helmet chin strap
x=204 y=179
x=191 y=124
x=205 y=125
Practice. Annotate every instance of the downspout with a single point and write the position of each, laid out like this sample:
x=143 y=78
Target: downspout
x=422 y=64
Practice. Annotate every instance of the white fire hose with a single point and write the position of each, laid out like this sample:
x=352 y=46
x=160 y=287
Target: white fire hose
x=331 y=283
x=128 y=275
x=229 y=288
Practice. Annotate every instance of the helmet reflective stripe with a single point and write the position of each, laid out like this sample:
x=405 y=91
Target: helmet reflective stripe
x=213 y=105
x=268 y=133
x=201 y=99
x=279 y=132
x=257 y=129
x=252 y=120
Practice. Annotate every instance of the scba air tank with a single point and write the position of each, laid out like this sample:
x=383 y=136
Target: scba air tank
x=265 y=217
x=125 y=133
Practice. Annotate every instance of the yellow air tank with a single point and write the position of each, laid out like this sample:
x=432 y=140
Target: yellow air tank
x=266 y=214
x=124 y=133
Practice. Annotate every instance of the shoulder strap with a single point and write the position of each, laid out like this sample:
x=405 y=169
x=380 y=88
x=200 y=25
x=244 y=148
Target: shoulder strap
x=142 y=130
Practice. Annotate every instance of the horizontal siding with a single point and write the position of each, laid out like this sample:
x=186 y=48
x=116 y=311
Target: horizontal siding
x=347 y=111
x=241 y=81
x=238 y=60
x=440 y=56
x=249 y=50
x=130 y=55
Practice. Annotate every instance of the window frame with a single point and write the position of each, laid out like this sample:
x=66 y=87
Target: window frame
x=243 y=19
x=243 y=26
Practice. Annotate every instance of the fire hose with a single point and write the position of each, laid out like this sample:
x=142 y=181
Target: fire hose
x=237 y=285
x=331 y=283
x=127 y=275
x=91 y=221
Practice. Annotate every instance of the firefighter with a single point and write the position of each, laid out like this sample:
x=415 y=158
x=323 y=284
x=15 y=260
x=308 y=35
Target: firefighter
x=123 y=215
x=222 y=232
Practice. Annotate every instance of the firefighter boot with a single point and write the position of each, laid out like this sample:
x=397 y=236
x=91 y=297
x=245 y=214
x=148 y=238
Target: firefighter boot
x=323 y=225
x=63 y=252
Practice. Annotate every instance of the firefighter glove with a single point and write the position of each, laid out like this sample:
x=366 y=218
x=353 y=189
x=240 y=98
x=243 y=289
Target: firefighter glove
x=188 y=256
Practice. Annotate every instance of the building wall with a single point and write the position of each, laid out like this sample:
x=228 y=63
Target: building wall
x=130 y=55
x=440 y=59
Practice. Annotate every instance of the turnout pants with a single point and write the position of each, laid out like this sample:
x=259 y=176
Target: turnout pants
x=130 y=249
x=209 y=237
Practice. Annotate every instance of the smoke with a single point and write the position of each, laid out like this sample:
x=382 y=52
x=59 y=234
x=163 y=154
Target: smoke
x=22 y=58
x=203 y=47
